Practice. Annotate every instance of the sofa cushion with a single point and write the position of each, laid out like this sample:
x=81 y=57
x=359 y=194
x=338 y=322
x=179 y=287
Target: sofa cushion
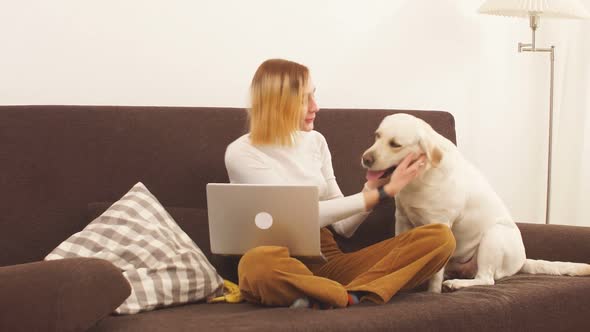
x=162 y=264
x=518 y=303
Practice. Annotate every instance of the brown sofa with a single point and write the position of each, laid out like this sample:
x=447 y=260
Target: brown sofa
x=61 y=165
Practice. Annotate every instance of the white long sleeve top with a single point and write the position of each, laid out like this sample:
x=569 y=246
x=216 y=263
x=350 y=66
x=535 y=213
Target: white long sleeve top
x=307 y=162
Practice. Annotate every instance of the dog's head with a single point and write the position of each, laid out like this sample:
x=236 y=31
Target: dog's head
x=397 y=136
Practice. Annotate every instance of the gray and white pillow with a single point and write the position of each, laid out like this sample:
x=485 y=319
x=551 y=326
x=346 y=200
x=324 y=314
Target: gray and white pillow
x=162 y=264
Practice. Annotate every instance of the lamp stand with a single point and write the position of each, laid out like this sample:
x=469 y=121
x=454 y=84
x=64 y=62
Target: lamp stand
x=534 y=23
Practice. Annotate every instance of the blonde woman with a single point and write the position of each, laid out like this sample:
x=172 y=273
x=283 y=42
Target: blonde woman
x=282 y=148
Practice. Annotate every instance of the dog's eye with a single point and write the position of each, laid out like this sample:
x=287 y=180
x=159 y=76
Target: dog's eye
x=393 y=144
x=377 y=136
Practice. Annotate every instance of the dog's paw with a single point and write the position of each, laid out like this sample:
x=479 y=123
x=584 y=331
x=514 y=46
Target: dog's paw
x=456 y=284
x=453 y=285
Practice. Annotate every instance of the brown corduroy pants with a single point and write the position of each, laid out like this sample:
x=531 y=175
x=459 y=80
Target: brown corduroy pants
x=269 y=276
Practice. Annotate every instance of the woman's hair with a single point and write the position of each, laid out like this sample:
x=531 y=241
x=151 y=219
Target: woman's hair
x=277 y=101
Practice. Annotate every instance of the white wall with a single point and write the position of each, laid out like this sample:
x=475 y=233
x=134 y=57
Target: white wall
x=413 y=54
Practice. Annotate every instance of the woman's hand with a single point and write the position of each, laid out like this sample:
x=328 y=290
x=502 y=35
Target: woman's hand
x=404 y=173
x=374 y=184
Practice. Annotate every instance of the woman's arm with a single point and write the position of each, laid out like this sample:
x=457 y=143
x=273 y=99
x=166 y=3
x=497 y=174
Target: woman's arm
x=346 y=214
x=245 y=167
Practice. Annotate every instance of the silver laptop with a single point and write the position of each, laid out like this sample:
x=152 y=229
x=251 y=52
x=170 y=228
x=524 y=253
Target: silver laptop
x=244 y=216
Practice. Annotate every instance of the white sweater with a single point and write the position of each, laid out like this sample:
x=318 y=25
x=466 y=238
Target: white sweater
x=308 y=161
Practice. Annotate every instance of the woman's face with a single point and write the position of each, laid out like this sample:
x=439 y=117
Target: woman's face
x=309 y=106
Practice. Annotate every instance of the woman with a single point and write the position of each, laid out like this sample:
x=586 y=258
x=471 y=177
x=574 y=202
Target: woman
x=283 y=148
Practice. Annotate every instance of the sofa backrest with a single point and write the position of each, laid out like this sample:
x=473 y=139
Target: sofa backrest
x=55 y=160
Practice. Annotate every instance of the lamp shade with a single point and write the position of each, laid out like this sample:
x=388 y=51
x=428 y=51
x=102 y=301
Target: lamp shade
x=541 y=8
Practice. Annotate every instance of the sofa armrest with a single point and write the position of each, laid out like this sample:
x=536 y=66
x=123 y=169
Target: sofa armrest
x=60 y=295
x=556 y=242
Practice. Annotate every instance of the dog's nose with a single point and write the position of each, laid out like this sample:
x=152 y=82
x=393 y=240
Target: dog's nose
x=368 y=159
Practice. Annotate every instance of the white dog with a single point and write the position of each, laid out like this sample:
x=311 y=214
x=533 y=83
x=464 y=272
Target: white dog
x=451 y=191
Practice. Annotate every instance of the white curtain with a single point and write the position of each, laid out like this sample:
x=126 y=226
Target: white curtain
x=571 y=161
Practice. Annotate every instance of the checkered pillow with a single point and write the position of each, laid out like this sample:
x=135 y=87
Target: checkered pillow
x=162 y=264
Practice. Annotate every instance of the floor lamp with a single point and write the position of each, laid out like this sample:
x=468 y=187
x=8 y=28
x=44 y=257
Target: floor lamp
x=534 y=10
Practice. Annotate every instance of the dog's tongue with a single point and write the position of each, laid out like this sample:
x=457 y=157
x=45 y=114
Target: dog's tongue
x=374 y=175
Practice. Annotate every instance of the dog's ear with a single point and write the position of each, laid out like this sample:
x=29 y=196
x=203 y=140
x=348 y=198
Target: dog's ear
x=427 y=142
